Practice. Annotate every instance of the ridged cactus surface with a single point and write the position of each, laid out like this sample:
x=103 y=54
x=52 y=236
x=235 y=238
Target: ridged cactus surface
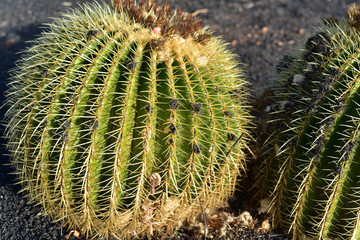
x=312 y=167
x=126 y=119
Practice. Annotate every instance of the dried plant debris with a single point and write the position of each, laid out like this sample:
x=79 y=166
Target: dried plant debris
x=222 y=224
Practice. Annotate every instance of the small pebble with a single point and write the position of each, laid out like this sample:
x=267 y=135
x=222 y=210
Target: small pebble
x=264 y=30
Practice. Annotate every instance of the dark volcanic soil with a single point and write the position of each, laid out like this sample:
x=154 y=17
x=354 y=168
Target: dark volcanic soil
x=259 y=31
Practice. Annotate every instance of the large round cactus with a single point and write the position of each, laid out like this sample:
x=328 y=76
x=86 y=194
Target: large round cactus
x=127 y=118
x=312 y=168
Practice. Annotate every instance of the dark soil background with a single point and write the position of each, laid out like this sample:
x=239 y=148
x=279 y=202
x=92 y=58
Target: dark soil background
x=259 y=31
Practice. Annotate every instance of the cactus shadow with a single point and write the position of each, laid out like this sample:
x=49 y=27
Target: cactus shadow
x=10 y=45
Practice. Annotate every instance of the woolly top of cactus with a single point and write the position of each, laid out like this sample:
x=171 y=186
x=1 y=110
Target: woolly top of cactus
x=165 y=29
x=354 y=15
x=162 y=19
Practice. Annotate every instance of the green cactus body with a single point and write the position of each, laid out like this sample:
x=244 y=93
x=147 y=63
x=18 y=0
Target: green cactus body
x=312 y=167
x=121 y=126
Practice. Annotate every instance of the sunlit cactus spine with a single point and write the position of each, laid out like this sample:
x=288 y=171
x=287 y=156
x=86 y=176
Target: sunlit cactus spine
x=126 y=119
x=311 y=171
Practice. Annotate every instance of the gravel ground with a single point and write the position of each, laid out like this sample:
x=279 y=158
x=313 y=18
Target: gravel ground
x=259 y=31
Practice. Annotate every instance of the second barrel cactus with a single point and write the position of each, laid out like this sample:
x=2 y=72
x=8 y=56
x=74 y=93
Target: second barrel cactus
x=312 y=167
x=127 y=119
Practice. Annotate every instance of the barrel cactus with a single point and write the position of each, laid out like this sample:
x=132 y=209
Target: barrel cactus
x=311 y=171
x=127 y=118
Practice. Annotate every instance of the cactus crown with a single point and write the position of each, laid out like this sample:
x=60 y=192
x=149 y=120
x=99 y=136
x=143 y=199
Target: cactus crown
x=311 y=171
x=354 y=15
x=161 y=18
x=120 y=128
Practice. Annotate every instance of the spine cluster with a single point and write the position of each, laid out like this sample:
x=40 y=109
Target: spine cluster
x=312 y=167
x=119 y=129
